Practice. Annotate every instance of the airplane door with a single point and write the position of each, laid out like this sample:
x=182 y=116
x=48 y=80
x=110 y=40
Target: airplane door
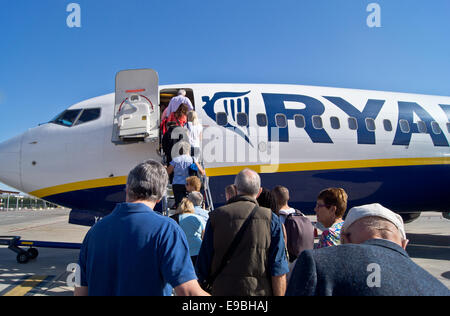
x=136 y=108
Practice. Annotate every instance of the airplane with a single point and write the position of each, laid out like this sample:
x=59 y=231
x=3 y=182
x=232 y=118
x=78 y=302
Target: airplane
x=385 y=147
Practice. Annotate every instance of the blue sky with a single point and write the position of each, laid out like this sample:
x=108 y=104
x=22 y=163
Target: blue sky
x=45 y=66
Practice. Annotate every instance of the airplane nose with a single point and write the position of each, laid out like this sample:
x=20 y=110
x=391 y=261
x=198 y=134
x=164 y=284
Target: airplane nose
x=10 y=173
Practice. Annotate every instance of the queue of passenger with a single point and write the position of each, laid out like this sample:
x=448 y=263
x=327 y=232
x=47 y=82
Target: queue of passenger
x=135 y=251
x=254 y=245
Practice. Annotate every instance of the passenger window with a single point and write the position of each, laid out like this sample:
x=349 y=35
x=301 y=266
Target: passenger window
x=387 y=125
x=448 y=127
x=422 y=127
x=66 y=118
x=352 y=123
x=88 y=115
x=242 y=119
x=404 y=126
x=261 y=119
x=221 y=118
x=436 y=128
x=317 y=122
x=299 y=121
x=281 y=120
x=335 y=124
x=370 y=124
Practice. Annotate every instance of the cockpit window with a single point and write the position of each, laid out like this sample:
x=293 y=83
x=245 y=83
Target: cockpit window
x=66 y=118
x=76 y=117
x=88 y=115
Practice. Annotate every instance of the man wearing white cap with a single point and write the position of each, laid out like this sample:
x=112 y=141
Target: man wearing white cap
x=371 y=261
x=373 y=221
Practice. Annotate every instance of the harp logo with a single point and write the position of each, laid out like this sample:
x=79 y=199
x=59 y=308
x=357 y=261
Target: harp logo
x=230 y=110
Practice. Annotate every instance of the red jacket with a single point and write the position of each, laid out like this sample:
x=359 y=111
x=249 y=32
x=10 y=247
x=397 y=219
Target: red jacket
x=179 y=122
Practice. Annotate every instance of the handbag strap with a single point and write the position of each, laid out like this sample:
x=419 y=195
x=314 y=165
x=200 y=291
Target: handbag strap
x=237 y=239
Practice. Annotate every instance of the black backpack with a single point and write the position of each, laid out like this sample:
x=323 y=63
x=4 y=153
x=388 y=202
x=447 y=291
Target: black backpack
x=299 y=234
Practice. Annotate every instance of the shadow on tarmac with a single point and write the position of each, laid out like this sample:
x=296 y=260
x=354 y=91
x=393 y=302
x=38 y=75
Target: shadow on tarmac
x=51 y=263
x=428 y=246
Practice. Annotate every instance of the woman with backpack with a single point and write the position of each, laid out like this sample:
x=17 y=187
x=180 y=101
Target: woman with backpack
x=180 y=166
x=179 y=117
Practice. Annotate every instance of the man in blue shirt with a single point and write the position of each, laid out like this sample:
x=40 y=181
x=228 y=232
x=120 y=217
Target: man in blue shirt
x=135 y=251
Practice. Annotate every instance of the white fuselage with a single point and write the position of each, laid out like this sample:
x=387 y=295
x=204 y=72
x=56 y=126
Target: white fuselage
x=53 y=160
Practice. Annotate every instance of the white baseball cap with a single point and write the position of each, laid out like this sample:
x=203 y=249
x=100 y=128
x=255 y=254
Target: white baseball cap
x=377 y=210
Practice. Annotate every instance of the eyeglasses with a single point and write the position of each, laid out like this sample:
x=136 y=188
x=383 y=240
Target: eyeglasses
x=321 y=205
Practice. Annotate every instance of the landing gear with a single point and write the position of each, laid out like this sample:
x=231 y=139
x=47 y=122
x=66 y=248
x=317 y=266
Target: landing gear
x=409 y=217
x=25 y=256
x=33 y=253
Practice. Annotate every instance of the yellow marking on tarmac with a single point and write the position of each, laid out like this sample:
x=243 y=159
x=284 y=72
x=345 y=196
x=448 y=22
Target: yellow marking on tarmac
x=27 y=285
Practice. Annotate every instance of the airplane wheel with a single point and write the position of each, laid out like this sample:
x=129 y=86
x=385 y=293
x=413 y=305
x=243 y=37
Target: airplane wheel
x=23 y=257
x=33 y=253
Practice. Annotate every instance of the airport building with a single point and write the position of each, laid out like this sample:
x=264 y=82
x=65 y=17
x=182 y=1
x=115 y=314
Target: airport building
x=11 y=200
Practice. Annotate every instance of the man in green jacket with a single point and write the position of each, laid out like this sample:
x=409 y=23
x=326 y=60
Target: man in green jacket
x=259 y=265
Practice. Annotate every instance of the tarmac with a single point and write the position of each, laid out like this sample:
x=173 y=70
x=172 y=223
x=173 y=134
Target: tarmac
x=47 y=275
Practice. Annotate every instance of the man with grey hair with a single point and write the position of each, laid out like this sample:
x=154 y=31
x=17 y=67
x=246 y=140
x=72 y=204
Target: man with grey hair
x=197 y=199
x=248 y=182
x=371 y=261
x=257 y=266
x=175 y=102
x=135 y=251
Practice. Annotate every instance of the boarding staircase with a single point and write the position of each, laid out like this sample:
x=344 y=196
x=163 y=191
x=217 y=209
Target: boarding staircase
x=137 y=119
x=168 y=200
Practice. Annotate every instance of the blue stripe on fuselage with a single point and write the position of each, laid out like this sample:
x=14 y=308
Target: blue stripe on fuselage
x=402 y=189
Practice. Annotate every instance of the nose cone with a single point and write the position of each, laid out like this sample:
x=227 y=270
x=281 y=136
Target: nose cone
x=10 y=172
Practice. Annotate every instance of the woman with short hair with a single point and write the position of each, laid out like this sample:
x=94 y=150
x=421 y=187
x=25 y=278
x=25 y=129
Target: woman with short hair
x=193 y=226
x=330 y=209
